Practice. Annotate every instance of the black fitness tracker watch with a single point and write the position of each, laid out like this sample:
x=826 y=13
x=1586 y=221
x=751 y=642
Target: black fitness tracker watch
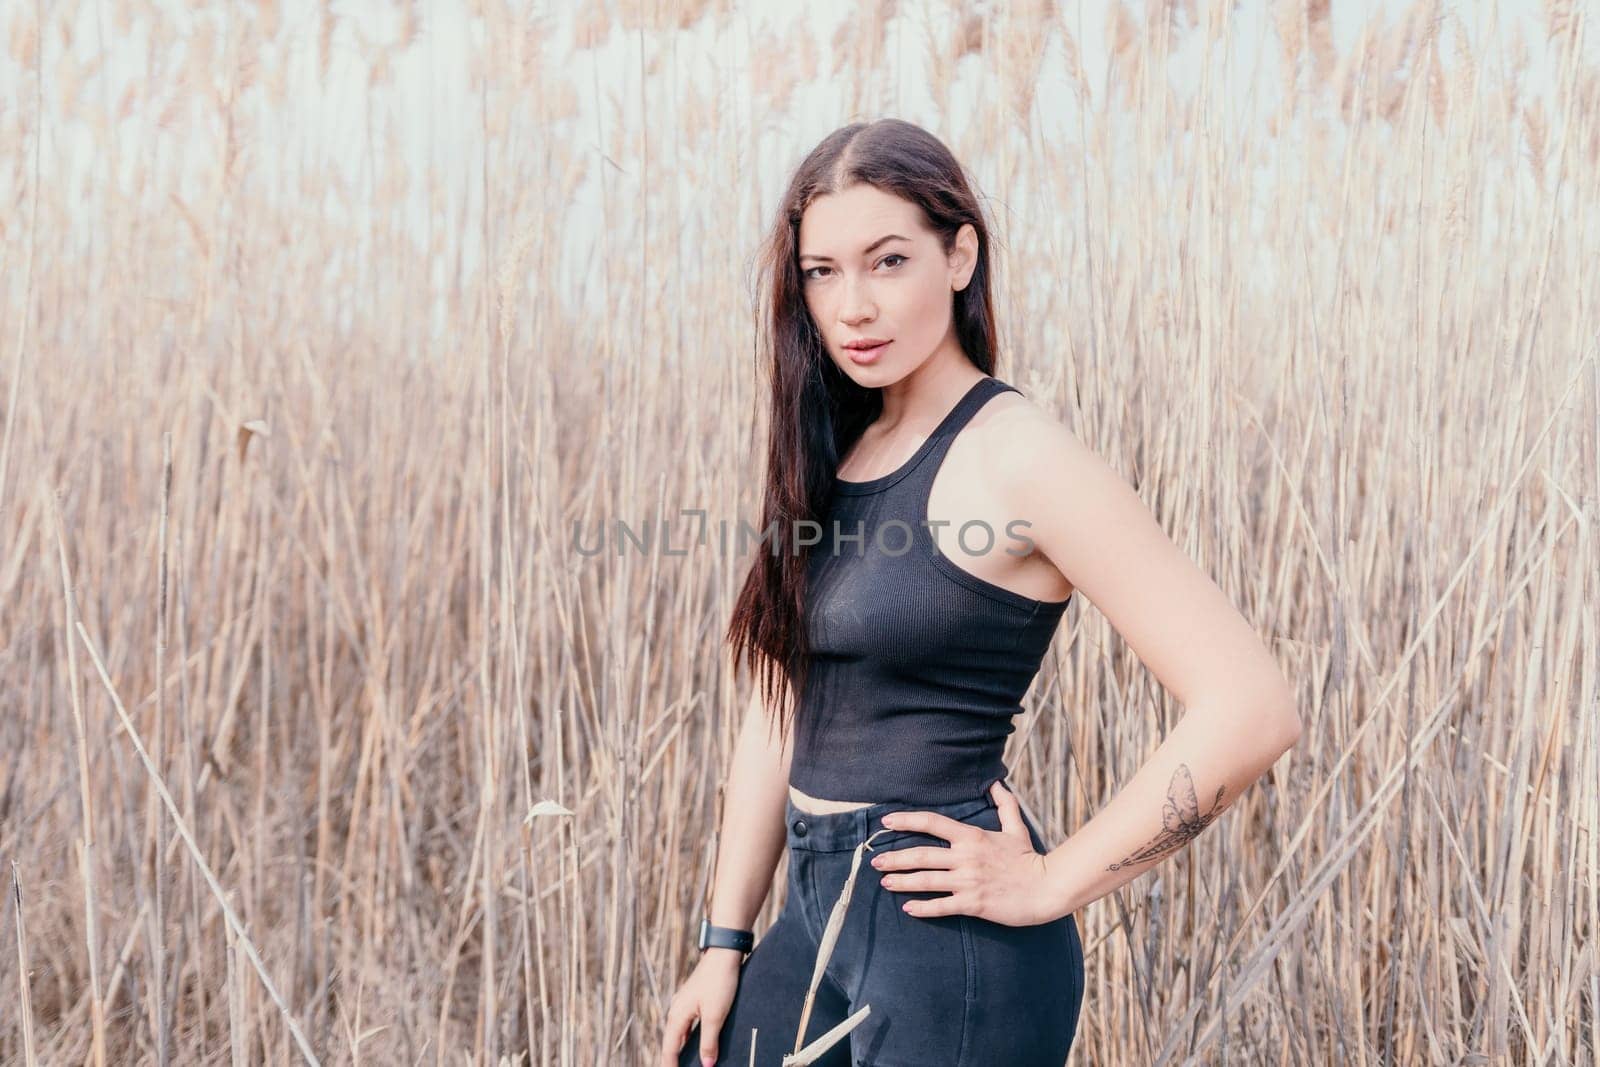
x=724 y=937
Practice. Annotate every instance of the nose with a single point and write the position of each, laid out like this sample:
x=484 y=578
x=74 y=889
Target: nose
x=856 y=307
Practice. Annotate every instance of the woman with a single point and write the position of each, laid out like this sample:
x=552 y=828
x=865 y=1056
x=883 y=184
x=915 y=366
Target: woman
x=895 y=644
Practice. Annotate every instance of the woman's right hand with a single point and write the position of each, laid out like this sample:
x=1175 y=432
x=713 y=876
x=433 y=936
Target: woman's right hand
x=706 y=994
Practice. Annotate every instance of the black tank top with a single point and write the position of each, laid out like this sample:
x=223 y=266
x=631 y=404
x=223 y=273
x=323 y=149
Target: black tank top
x=917 y=665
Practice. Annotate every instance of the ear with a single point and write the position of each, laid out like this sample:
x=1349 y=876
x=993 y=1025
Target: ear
x=963 y=257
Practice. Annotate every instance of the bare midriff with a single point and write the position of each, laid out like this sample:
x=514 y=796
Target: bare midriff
x=817 y=806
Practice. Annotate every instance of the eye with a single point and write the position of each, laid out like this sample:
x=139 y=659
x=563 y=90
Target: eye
x=807 y=275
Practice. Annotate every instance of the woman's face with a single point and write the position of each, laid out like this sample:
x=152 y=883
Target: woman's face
x=871 y=271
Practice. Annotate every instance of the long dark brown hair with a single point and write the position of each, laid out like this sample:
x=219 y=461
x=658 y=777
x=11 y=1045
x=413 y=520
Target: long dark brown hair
x=817 y=412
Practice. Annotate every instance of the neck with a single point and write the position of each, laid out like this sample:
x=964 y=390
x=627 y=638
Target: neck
x=927 y=393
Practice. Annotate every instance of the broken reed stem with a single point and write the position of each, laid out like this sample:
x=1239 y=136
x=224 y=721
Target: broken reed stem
x=822 y=1044
x=830 y=937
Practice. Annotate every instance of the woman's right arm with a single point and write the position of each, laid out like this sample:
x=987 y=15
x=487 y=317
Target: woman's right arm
x=753 y=833
x=748 y=849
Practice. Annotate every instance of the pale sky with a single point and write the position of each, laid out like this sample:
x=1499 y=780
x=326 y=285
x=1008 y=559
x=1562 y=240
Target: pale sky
x=434 y=117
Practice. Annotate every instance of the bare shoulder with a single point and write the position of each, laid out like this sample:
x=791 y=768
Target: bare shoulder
x=1028 y=445
x=1089 y=521
x=1047 y=474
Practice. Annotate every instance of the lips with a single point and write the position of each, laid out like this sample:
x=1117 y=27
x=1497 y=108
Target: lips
x=865 y=353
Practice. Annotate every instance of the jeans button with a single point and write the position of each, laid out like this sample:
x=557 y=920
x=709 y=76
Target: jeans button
x=800 y=828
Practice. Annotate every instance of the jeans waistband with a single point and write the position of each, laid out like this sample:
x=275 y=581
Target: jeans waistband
x=841 y=831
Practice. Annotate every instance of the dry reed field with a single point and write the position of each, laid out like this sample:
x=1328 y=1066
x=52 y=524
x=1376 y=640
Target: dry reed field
x=327 y=736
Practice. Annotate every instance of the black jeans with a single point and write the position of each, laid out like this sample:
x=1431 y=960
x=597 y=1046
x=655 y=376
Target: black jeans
x=952 y=990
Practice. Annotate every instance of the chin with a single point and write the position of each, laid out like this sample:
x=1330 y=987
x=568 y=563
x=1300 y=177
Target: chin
x=874 y=375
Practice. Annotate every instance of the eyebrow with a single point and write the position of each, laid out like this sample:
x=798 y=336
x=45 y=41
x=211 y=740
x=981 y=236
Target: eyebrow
x=867 y=251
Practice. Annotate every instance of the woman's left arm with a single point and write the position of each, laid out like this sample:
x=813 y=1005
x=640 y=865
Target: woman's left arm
x=1239 y=709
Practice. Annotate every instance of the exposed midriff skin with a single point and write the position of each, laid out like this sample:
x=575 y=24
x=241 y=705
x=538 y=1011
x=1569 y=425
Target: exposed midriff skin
x=817 y=806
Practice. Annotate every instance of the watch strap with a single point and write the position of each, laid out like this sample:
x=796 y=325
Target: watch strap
x=725 y=937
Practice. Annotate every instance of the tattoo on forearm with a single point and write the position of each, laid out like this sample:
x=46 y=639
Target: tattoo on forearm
x=1181 y=821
